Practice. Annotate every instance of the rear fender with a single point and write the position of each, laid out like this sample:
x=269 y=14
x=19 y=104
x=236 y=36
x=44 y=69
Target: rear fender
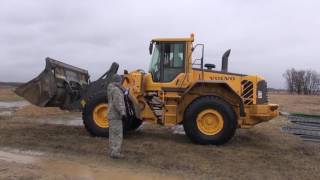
x=217 y=88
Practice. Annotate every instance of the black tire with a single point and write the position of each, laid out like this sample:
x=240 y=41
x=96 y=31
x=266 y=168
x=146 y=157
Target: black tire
x=87 y=116
x=206 y=103
x=93 y=128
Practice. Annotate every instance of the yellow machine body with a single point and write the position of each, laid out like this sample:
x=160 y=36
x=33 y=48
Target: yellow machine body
x=175 y=96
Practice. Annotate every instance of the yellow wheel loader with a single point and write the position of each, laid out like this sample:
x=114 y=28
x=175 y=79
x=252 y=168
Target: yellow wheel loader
x=177 y=89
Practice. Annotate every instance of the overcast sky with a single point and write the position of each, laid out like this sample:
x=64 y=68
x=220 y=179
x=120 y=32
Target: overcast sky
x=266 y=36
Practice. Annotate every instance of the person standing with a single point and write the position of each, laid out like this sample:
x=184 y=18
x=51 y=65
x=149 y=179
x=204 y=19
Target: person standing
x=116 y=116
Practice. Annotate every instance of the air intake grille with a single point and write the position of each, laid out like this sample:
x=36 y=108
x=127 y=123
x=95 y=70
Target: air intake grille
x=247 y=92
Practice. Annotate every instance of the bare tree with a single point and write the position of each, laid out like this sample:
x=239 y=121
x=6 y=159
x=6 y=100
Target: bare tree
x=307 y=82
x=289 y=80
x=302 y=81
x=315 y=83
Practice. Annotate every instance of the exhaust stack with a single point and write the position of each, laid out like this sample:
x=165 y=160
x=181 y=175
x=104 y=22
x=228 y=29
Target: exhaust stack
x=225 y=57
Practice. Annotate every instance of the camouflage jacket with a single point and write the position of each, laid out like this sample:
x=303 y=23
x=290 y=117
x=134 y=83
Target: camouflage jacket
x=116 y=104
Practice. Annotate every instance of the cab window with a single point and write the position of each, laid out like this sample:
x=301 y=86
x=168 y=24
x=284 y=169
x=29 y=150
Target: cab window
x=173 y=60
x=167 y=61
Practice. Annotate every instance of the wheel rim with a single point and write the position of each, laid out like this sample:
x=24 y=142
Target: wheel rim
x=100 y=115
x=210 y=122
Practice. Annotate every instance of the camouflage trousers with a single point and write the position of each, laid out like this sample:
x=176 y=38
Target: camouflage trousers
x=115 y=137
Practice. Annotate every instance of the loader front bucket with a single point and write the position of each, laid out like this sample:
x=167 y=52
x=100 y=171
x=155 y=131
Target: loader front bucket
x=59 y=85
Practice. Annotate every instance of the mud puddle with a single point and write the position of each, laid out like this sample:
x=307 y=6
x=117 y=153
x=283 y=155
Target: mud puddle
x=12 y=104
x=178 y=129
x=73 y=120
x=17 y=158
x=67 y=121
x=53 y=120
x=7 y=108
x=72 y=169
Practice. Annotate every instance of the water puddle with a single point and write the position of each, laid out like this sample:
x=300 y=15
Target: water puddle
x=13 y=104
x=17 y=158
x=67 y=121
x=6 y=114
x=75 y=169
x=178 y=129
x=7 y=108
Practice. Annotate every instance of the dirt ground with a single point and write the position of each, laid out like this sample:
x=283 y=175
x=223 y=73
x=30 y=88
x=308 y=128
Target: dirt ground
x=33 y=150
x=297 y=103
x=7 y=94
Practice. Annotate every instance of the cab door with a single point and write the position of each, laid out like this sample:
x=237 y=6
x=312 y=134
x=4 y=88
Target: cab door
x=167 y=67
x=172 y=58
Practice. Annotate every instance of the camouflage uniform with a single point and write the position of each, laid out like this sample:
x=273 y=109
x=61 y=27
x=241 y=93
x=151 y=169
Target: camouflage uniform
x=116 y=111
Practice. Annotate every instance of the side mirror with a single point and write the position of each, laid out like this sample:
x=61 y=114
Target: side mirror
x=150 y=47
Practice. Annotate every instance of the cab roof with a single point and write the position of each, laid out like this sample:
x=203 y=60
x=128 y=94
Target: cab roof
x=187 y=39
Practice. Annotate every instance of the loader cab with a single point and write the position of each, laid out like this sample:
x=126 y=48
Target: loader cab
x=167 y=60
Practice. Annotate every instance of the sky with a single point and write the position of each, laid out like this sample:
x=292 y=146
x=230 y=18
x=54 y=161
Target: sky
x=266 y=36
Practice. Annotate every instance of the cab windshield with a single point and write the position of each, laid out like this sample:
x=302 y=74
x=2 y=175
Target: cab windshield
x=154 y=68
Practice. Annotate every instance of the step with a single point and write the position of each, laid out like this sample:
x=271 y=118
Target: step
x=170 y=116
x=169 y=95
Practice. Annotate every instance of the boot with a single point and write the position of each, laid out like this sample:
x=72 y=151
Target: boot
x=116 y=155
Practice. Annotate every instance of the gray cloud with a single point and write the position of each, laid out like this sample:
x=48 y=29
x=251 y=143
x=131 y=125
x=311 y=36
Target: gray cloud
x=266 y=37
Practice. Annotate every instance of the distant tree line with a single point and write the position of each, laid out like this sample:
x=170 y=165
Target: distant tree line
x=302 y=81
